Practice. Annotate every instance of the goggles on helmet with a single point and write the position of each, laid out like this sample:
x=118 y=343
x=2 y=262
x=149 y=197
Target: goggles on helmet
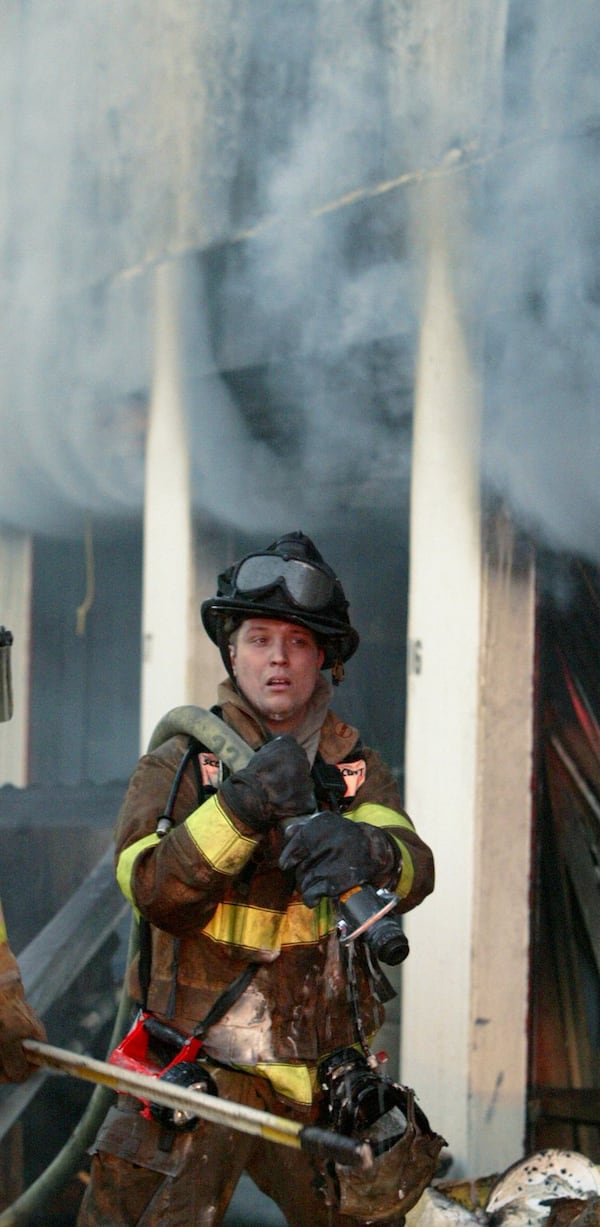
x=306 y=584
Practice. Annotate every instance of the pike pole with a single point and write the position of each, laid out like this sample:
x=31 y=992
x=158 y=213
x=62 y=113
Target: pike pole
x=319 y=1142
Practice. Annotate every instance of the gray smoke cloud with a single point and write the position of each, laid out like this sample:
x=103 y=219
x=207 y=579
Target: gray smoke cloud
x=541 y=287
x=335 y=278
x=73 y=417
x=328 y=273
x=305 y=137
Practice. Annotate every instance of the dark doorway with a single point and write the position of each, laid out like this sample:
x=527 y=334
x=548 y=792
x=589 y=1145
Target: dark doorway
x=564 y=1094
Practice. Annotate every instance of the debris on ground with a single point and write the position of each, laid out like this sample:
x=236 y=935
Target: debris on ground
x=550 y=1188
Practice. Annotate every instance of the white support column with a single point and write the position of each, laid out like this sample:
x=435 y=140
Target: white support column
x=441 y=765
x=468 y=762
x=211 y=557
x=168 y=563
x=15 y=616
x=498 y=1043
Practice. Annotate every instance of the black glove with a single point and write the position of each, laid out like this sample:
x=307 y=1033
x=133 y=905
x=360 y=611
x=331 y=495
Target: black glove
x=276 y=784
x=331 y=854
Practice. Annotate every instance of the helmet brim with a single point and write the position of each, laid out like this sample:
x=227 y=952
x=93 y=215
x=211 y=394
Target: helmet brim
x=338 y=644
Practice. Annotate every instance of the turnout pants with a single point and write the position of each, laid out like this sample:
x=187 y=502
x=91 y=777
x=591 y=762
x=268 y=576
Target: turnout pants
x=145 y=1176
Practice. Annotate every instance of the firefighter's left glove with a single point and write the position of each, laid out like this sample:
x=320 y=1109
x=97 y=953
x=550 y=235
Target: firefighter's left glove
x=275 y=785
x=17 y=1022
x=331 y=854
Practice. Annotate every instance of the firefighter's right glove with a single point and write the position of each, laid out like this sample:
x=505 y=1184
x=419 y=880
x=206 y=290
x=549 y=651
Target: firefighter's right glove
x=276 y=784
x=17 y=1022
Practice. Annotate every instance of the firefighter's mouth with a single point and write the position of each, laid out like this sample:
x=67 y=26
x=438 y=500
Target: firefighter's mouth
x=276 y=682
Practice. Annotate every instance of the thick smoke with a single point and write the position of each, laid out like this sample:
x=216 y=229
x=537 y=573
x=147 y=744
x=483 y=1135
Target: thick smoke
x=73 y=418
x=334 y=274
x=305 y=136
x=540 y=244
x=75 y=369
x=314 y=310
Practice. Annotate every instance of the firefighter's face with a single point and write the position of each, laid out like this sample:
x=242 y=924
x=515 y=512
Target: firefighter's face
x=276 y=666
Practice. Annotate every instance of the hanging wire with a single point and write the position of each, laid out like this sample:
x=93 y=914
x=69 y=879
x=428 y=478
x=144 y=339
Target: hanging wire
x=90 y=580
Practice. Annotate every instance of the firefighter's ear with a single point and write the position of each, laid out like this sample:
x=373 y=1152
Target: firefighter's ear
x=231 y=649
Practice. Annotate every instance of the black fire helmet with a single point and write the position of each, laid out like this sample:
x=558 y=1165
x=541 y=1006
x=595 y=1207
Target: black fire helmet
x=289 y=581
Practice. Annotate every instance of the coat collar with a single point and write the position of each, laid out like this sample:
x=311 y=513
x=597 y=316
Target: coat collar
x=320 y=730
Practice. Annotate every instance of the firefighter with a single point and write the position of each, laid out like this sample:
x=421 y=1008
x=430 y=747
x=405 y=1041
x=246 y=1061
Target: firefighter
x=239 y=904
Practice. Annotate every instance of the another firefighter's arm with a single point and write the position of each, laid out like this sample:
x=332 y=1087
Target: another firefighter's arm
x=17 y=1019
x=176 y=882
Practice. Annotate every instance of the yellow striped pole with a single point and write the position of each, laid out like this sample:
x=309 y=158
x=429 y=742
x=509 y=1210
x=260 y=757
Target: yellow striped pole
x=321 y=1142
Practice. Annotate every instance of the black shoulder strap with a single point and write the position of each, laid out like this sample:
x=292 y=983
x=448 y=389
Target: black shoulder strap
x=145 y=960
x=230 y=995
x=227 y=998
x=329 y=782
x=166 y=818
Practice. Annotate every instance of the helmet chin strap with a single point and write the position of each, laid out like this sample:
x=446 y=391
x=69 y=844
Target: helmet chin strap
x=226 y=654
x=267 y=734
x=337 y=672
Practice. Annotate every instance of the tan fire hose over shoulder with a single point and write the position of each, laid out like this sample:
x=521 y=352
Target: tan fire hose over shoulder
x=207 y=728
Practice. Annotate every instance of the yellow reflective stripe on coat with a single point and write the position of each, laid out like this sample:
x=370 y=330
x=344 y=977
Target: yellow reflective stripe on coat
x=295 y=1082
x=217 y=839
x=265 y=930
x=381 y=816
x=126 y=862
x=213 y=834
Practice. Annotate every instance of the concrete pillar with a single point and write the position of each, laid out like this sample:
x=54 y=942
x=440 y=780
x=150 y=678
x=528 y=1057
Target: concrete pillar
x=498 y=1039
x=468 y=758
x=212 y=556
x=169 y=622
x=443 y=664
x=15 y=616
